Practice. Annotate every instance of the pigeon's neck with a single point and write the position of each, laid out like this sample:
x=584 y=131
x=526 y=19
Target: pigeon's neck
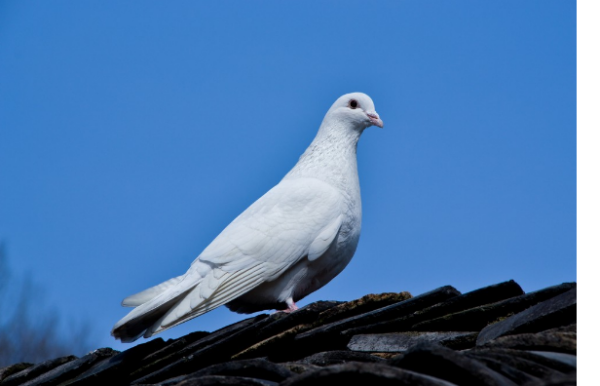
x=331 y=157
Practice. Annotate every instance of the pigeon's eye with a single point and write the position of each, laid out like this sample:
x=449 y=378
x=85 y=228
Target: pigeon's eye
x=353 y=103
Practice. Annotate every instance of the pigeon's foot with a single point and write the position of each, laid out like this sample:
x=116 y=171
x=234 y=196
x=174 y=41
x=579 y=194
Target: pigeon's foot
x=291 y=307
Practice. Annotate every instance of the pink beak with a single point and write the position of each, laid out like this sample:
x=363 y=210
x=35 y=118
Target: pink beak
x=374 y=118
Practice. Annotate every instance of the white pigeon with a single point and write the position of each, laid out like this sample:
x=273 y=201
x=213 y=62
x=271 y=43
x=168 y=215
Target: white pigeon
x=286 y=245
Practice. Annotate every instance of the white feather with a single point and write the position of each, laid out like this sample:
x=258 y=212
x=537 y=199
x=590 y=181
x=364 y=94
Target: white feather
x=142 y=297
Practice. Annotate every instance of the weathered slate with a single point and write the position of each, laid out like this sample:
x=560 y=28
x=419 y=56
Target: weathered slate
x=299 y=368
x=117 y=369
x=545 y=360
x=565 y=380
x=306 y=315
x=510 y=372
x=70 y=370
x=276 y=348
x=12 y=369
x=274 y=338
x=486 y=295
x=328 y=335
x=328 y=358
x=259 y=370
x=476 y=318
x=557 y=311
x=177 y=345
x=444 y=363
x=251 y=368
x=400 y=341
x=357 y=373
x=320 y=344
x=155 y=362
x=36 y=370
x=360 y=306
x=565 y=342
x=460 y=342
x=207 y=355
x=565 y=359
x=482 y=296
x=528 y=366
x=225 y=380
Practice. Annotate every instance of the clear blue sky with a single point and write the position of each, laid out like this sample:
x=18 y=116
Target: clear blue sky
x=132 y=132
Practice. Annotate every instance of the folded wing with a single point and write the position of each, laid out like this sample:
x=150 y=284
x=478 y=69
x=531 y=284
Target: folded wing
x=297 y=218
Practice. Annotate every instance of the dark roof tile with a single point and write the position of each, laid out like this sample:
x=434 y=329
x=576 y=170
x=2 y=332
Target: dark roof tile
x=482 y=296
x=118 y=366
x=358 y=373
x=551 y=340
x=377 y=339
x=251 y=368
x=533 y=368
x=7 y=371
x=402 y=341
x=33 y=371
x=554 y=312
x=223 y=380
x=477 y=318
x=314 y=338
x=360 y=306
x=328 y=358
x=71 y=369
x=441 y=362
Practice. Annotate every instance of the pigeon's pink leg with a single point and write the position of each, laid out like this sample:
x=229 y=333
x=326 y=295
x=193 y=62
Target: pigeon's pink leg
x=291 y=306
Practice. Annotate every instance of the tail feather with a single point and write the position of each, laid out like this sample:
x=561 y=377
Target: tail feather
x=131 y=328
x=150 y=293
x=135 y=324
x=194 y=303
x=184 y=300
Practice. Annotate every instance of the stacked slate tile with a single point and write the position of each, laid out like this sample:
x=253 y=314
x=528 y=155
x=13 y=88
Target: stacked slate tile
x=497 y=335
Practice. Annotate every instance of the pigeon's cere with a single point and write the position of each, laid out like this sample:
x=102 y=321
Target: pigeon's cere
x=286 y=245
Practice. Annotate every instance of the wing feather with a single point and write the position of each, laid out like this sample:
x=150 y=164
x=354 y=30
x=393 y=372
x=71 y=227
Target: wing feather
x=297 y=218
x=150 y=293
x=192 y=305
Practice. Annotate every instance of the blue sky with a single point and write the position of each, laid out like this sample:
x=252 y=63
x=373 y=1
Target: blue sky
x=132 y=133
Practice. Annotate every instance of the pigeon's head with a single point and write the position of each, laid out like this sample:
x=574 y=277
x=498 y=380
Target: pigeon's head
x=356 y=109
